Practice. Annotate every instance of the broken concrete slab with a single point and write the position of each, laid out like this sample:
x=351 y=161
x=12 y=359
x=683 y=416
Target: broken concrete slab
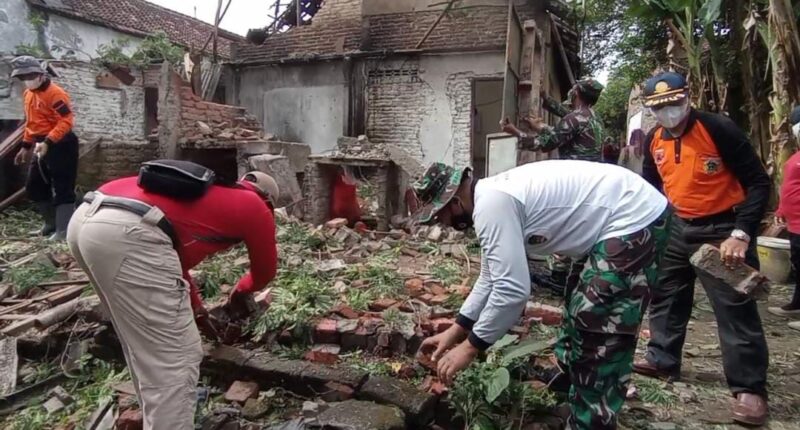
x=744 y=279
x=418 y=406
x=409 y=164
x=279 y=168
x=359 y=415
x=9 y=362
x=297 y=153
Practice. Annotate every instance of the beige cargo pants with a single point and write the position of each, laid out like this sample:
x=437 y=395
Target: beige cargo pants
x=137 y=275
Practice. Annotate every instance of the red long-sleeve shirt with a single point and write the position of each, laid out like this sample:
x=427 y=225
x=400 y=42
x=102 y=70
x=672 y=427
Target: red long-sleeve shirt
x=220 y=219
x=789 y=206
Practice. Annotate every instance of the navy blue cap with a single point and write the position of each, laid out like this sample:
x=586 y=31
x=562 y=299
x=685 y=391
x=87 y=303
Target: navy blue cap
x=794 y=117
x=664 y=88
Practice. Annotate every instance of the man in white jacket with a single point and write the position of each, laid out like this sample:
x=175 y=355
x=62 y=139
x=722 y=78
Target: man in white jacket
x=574 y=208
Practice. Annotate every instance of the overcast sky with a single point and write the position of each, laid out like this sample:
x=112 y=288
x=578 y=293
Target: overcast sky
x=242 y=14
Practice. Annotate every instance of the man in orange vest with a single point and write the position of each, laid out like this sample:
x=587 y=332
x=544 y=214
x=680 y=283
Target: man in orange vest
x=719 y=190
x=48 y=136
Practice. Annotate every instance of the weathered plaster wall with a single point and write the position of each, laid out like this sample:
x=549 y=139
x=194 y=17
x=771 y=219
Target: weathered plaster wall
x=430 y=118
x=80 y=40
x=15 y=29
x=299 y=103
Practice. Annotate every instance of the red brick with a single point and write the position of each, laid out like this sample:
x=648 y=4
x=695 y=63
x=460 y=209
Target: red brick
x=436 y=288
x=426 y=326
x=406 y=371
x=414 y=287
x=381 y=305
x=324 y=354
x=440 y=325
x=336 y=392
x=346 y=326
x=346 y=312
x=425 y=361
x=549 y=315
x=432 y=385
x=440 y=312
x=132 y=419
x=325 y=332
x=439 y=300
x=461 y=290
x=426 y=298
x=240 y=391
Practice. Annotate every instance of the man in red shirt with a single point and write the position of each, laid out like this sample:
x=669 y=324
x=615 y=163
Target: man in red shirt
x=137 y=248
x=789 y=213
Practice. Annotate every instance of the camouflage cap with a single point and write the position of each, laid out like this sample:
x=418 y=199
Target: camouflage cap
x=435 y=189
x=26 y=65
x=590 y=87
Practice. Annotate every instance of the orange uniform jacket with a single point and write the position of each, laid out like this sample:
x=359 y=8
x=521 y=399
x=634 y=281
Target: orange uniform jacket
x=710 y=169
x=48 y=115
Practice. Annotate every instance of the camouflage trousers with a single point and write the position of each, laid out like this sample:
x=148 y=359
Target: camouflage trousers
x=601 y=324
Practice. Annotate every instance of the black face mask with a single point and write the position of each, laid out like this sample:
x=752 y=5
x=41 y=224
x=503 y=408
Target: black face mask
x=462 y=221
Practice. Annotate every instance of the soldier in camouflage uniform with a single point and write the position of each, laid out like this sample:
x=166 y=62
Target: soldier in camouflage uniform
x=603 y=212
x=578 y=136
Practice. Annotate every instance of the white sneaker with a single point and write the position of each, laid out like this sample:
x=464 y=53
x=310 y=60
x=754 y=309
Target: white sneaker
x=795 y=325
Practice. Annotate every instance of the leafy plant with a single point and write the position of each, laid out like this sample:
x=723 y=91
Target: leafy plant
x=383 y=280
x=155 y=48
x=222 y=269
x=447 y=271
x=114 y=52
x=300 y=296
x=359 y=299
x=298 y=234
x=28 y=276
x=492 y=395
x=655 y=392
x=31 y=49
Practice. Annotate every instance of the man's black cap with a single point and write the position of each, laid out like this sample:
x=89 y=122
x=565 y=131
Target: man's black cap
x=665 y=88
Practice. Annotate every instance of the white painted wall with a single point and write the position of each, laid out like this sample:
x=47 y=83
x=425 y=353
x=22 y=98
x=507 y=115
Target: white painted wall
x=298 y=103
x=83 y=38
x=431 y=120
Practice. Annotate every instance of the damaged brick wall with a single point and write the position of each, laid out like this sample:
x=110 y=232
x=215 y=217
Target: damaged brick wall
x=218 y=117
x=110 y=120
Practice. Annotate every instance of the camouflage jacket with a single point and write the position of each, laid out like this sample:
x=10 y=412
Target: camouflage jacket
x=579 y=136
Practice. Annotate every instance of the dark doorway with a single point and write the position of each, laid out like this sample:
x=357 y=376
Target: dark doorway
x=150 y=111
x=487 y=108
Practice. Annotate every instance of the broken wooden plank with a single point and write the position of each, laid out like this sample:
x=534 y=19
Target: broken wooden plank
x=63 y=283
x=12 y=141
x=44 y=297
x=63 y=312
x=9 y=362
x=12 y=199
x=14 y=317
x=19 y=327
x=66 y=295
x=6 y=290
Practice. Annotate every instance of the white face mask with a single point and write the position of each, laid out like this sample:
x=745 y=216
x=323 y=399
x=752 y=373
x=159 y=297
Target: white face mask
x=671 y=116
x=796 y=130
x=34 y=83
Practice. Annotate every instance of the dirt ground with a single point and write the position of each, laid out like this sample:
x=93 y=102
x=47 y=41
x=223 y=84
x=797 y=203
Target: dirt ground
x=701 y=400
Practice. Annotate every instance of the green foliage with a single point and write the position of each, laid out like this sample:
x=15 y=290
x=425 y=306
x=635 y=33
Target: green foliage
x=298 y=234
x=358 y=361
x=155 y=48
x=655 y=392
x=448 y=271
x=37 y=19
x=491 y=394
x=219 y=270
x=300 y=296
x=31 y=49
x=359 y=299
x=27 y=276
x=383 y=280
x=89 y=388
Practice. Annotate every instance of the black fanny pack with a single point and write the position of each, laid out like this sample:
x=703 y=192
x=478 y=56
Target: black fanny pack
x=178 y=179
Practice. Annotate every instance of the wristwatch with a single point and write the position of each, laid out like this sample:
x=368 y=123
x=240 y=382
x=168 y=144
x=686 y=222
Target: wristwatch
x=740 y=235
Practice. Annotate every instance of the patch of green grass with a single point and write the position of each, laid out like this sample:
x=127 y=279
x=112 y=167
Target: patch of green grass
x=655 y=392
x=17 y=222
x=394 y=319
x=41 y=371
x=27 y=276
x=292 y=352
x=356 y=360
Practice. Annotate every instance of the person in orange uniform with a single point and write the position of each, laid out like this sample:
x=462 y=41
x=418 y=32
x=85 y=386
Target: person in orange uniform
x=719 y=190
x=49 y=140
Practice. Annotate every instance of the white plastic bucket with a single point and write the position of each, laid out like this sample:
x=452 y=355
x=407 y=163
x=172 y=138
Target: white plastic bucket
x=775 y=258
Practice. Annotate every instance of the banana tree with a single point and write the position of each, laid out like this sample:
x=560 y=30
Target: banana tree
x=780 y=35
x=695 y=24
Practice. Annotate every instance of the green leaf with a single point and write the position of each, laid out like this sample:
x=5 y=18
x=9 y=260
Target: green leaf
x=526 y=348
x=483 y=423
x=504 y=342
x=710 y=11
x=497 y=384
